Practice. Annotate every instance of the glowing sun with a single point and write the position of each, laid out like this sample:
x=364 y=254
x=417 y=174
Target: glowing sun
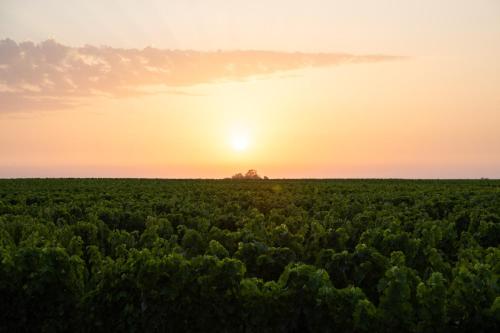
x=240 y=141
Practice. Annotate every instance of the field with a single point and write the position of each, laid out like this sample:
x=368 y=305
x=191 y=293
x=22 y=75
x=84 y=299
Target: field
x=249 y=256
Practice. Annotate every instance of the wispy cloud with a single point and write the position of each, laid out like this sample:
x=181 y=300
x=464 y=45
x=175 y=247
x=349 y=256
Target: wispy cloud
x=50 y=75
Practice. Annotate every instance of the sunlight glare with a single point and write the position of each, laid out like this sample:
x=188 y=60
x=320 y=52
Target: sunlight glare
x=239 y=142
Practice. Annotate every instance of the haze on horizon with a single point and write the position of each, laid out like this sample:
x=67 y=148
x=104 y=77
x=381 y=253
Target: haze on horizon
x=294 y=89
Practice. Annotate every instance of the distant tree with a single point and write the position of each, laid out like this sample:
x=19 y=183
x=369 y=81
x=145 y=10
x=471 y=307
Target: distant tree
x=251 y=174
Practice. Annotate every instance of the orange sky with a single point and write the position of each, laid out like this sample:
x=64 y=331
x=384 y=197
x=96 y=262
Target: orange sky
x=293 y=89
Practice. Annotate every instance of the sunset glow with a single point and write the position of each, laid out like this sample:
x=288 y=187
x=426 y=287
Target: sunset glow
x=239 y=142
x=320 y=89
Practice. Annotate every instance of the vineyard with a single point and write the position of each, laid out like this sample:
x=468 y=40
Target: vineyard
x=102 y=255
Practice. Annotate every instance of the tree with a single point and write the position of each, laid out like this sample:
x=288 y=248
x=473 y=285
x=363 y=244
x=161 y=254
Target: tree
x=238 y=176
x=251 y=174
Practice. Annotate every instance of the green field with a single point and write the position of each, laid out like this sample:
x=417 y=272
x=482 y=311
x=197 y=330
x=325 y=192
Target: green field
x=249 y=256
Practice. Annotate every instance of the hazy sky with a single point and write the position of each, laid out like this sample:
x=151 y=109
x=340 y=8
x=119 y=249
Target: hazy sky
x=372 y=88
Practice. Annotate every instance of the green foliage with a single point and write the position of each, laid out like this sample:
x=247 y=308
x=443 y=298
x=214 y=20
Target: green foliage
x=397 y=289
x=249 y=256
x=217 y=249
x=431 y=297
x=192 y=242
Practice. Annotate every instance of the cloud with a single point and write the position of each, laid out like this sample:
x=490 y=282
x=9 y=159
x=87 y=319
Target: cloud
x=50 y=75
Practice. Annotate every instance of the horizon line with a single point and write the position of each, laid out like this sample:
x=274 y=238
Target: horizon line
x=230 y=179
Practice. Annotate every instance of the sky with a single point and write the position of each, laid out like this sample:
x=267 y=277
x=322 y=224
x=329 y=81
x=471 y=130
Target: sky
x=206 y=89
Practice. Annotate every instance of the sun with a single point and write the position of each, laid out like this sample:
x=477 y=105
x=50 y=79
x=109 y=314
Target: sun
x=240 y=142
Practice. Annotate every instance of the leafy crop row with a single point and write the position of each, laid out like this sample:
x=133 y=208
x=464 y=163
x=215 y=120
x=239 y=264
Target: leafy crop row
x=249 y=256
